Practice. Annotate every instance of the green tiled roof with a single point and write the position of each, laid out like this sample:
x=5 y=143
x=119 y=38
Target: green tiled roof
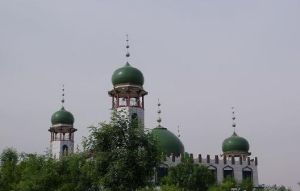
x=127 y=75
x=167 y=141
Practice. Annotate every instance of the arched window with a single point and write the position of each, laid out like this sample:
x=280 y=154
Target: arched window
x=247 y=173
x=161 y=172
x=228 y=172
x=134 y=116
x=213 y=170
x=65 y=150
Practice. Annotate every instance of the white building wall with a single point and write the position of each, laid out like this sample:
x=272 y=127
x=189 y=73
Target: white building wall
x=131 y=110
x=56 y=148
x=237 y=167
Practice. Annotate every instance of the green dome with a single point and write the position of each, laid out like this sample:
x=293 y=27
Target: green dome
x=62 y=117
x=167 y=141
x=127 y=75
x=235 y=143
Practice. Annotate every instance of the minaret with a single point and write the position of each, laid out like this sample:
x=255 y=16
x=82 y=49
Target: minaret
x=128 y=93
x=62 y=132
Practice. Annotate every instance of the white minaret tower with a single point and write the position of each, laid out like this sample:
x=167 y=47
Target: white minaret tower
x=128 y=93
x=62 y=132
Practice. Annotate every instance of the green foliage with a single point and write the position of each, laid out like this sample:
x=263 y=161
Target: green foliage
x=189 y=176
x=276 y=188
x=229 y=183
x=117 y=156
x=123 y=154
x=44 y=173
x=8 y=169
x=226 y=185
x=170 y=188
x=246 y=184
x=162 y=188
x=37 y=173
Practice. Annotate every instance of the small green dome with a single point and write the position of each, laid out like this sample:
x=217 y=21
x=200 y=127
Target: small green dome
x=127 y=75
x=235 y=143
x=62 y=117
x=167 y=141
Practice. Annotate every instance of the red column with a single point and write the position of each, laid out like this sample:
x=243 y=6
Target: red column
x=138 y=101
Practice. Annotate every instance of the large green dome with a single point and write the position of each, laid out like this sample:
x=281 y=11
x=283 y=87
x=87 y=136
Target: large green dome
x=235 y=143
x=167 y=141
x=127 y=75
x=62 y=117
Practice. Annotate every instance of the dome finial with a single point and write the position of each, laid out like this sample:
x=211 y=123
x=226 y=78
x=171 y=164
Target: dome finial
x=178 y=131
x=63 y=96
x=158 y=112
x=127 y=48
x=233 y=119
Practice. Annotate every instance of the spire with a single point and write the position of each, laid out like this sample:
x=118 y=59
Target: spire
x=178 y=131
x=127 y=49
x=63 y=96
x=233 y=119
x=159 y=112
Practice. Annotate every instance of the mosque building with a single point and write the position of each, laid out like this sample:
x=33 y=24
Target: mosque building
x=128 y=95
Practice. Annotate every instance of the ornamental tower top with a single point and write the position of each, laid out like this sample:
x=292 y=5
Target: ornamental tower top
x=128 y=93
x=62 y=131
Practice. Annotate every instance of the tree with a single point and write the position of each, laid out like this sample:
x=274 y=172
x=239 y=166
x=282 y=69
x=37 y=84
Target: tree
x=40 y=172
x=226 y=185
x=189 y=176
x=37 y=173
x=276 y=188
x=123 y=154
x=8 y=169
x=246 y=184
x=229 y=183
x=162 y=188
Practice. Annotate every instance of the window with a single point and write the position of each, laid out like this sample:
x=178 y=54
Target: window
x=247 y=173
x=228 y=172
x=161 y=172
x=213 y=170
x=65 y=150
x=134 y=116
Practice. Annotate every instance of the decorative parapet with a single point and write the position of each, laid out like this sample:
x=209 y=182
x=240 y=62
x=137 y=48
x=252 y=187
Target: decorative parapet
x=239 y=166
x=174 y=160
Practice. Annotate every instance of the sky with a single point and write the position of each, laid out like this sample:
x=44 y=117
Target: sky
x=198 y=57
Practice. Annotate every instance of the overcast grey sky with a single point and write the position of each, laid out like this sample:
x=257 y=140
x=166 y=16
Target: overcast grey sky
x=199 y=57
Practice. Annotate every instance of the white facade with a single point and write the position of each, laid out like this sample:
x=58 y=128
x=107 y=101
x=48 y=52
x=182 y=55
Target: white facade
x=61 y=148
x=129 y=99
x=132 y=112
x=240 y=168
x=61 y=140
